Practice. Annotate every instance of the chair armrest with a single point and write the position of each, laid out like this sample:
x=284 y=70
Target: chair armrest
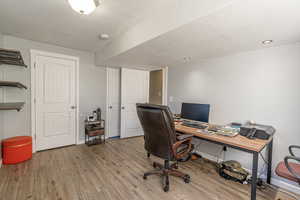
x=287 y=165
x=183 y=136
x=293 y=147
x=176 y=145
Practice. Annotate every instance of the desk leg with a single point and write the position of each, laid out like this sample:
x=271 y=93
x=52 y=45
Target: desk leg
x=254 y=176
x=270 y=152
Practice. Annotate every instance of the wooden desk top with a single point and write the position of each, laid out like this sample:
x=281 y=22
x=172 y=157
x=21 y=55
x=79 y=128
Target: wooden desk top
x=239 y=141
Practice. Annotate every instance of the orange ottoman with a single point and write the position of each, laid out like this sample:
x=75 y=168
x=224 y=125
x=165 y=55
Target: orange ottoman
x=16 y=149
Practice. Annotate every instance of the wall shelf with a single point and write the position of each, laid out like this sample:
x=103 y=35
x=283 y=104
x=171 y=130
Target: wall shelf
x=12 y=84
x=12 y=106
x=11 y=57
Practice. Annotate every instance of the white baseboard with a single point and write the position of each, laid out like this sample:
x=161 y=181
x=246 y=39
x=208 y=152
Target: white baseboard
x=80 y=142
x=285 y=185
x=289 y=186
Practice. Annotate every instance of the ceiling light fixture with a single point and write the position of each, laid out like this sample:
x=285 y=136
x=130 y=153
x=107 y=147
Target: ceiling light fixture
x=267 y=41
x=103 y=36
x=84 y=7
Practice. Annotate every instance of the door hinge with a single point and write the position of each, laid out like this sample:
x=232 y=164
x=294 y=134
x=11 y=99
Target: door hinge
x=34 y=65
x=34 y=100
x=34 y=136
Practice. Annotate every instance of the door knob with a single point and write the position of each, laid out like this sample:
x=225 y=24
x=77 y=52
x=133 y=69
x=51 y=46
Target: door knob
x=110 y=107
x=73 y=107
x=123 y=108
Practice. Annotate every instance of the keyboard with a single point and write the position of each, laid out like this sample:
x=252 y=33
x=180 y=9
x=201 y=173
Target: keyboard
x=197 y=125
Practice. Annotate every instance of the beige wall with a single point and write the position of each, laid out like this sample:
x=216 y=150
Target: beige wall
x=156 y=86
x=92 y=85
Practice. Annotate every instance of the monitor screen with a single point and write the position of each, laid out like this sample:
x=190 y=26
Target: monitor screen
x=194 y=111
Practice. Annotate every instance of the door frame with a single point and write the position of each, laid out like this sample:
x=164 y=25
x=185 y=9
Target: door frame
x=165 y=85
x=33 y=54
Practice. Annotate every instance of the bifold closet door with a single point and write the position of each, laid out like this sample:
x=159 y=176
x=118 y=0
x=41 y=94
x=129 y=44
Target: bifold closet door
x=134 y=89
x=113 y=101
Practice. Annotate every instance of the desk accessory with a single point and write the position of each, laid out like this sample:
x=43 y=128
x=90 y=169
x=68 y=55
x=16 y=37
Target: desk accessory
x=259 y=131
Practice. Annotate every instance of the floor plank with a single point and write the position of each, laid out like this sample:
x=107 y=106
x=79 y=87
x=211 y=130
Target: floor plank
x=114 y=172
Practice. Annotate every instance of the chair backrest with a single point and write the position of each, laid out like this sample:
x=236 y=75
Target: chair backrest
x=159 y=130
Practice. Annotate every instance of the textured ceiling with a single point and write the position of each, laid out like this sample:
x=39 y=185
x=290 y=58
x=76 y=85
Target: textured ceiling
x=238 y=26
x=54 y=22
x=242 y=26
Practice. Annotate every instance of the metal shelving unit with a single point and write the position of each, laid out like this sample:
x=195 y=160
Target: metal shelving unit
x=12 y=84
x=11 y=57
x=12 y=106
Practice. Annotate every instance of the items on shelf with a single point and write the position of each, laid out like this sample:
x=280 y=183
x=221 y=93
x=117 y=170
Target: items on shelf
x=94 y=128
x=96 y=115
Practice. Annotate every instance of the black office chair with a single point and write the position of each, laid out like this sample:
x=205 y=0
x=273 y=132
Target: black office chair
x=162 y=141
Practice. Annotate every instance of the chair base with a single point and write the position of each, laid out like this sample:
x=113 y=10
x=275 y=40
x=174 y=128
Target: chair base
x=165 y=171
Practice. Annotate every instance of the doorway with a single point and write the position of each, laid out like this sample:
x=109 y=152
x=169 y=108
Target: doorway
x=54 y=90
x=156 y=87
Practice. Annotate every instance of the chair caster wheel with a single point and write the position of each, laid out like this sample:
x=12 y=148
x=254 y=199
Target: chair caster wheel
x=144 y=177
x=187 y=179
x=166 y=188
x=154 y=165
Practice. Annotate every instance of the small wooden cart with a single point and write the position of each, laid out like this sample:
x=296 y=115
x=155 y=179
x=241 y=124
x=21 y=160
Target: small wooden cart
x=94 y=132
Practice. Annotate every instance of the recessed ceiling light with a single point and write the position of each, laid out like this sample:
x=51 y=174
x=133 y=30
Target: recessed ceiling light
x=103 y=36
x=267 y=41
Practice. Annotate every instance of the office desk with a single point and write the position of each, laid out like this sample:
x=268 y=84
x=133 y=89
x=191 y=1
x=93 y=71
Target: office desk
x=239 y=142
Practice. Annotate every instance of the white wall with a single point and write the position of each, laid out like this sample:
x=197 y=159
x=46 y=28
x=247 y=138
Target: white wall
x=261 y=85
x=92 y=85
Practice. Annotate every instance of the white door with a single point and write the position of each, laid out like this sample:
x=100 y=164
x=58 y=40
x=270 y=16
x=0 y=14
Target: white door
x=55 y=95
x=134 y=89
x=113 y=102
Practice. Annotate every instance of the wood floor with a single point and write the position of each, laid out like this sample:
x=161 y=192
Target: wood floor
x=113 y=172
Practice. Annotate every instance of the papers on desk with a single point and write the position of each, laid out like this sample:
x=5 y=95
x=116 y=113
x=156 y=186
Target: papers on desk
x=228 y=131
x=225 y=131
x=205 y=131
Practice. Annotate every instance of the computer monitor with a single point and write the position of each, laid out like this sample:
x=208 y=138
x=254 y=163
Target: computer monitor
x=194 y=111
